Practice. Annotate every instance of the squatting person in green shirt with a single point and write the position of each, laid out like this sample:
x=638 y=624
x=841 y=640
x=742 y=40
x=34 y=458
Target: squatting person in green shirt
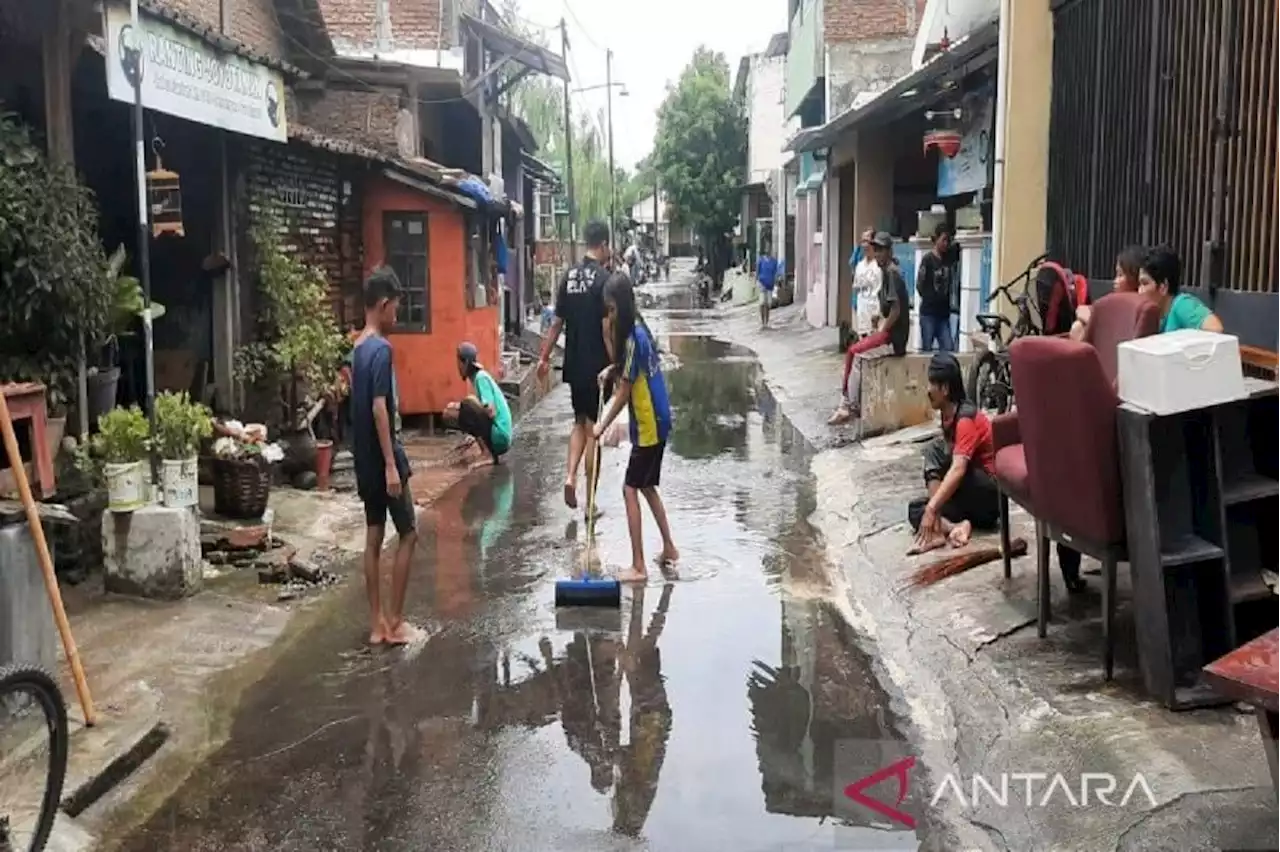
x=485 y=416
x=1159 y=279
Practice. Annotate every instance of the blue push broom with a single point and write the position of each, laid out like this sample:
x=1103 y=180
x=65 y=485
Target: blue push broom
x=586 y=590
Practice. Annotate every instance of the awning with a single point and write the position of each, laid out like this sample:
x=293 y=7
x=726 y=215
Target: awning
x=422 y=185
x=909 y=93
x=520 y=50
x=539 y=170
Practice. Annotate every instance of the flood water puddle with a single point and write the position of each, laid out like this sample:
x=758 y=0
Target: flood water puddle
x=707 y=713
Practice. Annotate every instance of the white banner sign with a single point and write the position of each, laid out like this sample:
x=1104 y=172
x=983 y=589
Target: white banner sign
x=969 y=169
x=183 y=76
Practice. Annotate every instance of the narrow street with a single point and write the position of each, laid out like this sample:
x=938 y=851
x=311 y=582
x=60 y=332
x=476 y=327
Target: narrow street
x=704 y=715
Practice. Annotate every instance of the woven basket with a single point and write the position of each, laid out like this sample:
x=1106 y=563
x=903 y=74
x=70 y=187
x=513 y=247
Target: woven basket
x=241 y=488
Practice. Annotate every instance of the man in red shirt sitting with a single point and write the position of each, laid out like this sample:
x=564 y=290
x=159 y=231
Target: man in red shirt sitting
x=959 y=466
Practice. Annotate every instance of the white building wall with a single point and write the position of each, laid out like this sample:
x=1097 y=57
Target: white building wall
x=766 y=134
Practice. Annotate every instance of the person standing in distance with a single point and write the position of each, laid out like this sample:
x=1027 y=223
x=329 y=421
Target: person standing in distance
x=381 y=466
x=580 y=314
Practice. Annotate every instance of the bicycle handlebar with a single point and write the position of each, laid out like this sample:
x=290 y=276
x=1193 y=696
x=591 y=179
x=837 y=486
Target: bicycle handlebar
x=1024 y=275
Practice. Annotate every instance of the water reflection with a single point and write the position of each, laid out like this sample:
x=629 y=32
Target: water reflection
x=581 y=687
x=710 y=397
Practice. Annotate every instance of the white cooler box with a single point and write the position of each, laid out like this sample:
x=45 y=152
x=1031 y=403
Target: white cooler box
x=1180 y=371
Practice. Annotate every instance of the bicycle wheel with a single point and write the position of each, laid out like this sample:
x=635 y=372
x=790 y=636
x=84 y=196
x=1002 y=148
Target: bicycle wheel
x=989 y=386
x=33 y=757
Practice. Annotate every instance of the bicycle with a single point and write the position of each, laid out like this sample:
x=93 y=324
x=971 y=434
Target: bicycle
x=29 y=700
x=990 y=384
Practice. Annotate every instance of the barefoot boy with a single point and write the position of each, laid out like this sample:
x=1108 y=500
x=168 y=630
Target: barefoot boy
x=381 y=466
x=640 y=387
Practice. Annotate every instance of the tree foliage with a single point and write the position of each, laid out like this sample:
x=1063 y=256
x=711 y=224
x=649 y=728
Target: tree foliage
x=701 y=146
x=539 y=100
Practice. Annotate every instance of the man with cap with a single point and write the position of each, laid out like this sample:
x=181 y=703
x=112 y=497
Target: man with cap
x=484 y=416
x=889 y=338
x=959 y=466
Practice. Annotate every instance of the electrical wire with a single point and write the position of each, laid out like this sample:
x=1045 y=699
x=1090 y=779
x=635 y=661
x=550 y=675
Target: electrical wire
x=585 y=33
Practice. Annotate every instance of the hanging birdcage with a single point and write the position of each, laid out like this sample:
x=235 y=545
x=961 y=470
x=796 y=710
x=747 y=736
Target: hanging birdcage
x=164 y=196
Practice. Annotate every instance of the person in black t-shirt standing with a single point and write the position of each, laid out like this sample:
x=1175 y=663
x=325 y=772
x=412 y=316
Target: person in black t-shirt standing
x=580 y=314
x=934 y=285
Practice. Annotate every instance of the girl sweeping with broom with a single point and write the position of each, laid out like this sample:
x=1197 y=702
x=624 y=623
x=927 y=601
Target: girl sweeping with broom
x=641 y=388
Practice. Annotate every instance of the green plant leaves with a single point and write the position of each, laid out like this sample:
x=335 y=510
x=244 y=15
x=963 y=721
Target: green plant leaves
x=181 y=424
x=52 y=268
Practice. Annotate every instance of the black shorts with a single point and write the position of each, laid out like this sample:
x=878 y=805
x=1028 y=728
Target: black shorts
x=475 y=421
x=644 y=468
x=586 y=399
x=378 y=504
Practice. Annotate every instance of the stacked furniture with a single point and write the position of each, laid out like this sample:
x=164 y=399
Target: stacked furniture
x=1201 y=507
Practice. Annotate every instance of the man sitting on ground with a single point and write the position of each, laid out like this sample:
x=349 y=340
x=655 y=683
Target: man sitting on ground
x=1160 y=279
x=486 y=417
x=959 y=466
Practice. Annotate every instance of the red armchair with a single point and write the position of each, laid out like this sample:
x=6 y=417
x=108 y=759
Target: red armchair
x=1059 y=458
x=1118 y=317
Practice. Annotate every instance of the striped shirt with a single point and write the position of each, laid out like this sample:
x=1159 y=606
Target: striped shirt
x=650 y=409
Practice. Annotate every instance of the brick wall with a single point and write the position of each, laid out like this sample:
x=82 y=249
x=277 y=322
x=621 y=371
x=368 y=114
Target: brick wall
x=358 y=116
x=859 y=20
x=252 y=22
x=316 y=195
x=415 y=24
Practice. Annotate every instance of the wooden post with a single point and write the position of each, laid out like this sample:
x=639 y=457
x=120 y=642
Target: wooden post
x=46 y=563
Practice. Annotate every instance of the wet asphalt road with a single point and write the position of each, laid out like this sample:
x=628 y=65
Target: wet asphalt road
x=705 y=715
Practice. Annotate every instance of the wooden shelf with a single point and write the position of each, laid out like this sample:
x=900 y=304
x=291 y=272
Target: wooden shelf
x=1246 y=589
x=1187 y=549
x=1249 y=488
x=1197 y=695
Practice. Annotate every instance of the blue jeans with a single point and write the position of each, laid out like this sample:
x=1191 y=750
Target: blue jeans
x=936 y=329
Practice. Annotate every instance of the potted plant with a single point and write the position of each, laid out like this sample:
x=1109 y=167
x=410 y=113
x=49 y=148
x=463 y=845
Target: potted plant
x=122 y=442
x=126 y=307
x=180 y=426
x=242 y=473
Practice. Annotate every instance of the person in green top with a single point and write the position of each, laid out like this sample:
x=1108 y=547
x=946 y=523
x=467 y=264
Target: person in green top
x=485 y=416
x=1159 y=279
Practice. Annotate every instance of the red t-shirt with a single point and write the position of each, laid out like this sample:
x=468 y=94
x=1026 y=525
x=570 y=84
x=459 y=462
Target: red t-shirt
x=971 y=438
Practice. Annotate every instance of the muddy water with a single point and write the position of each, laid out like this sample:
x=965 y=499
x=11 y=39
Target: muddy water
x=706 y=714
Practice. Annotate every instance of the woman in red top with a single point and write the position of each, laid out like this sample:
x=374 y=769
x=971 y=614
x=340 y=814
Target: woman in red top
x=959 y=466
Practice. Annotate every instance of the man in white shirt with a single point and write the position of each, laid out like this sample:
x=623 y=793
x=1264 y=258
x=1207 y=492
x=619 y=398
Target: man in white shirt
x=867 y=279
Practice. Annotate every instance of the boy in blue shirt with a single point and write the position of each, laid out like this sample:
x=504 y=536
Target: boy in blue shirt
x=767 y=275
x=643 y=390
x=485 y=416
x=1159 y=279
x=381 y=466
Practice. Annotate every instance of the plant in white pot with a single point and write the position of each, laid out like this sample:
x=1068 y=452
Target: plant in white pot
x=122 y=443
x=181 y=424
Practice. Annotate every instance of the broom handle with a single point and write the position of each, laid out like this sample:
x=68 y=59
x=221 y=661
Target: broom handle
x=46 y=563
x=592 y=481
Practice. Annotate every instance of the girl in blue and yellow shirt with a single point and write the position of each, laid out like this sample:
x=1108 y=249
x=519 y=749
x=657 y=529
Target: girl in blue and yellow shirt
x=641 y=387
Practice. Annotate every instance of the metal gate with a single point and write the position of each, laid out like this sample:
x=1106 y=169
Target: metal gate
x=1163 y=130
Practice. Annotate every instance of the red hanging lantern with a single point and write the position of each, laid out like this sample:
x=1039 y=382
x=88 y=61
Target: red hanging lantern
x=945 y=140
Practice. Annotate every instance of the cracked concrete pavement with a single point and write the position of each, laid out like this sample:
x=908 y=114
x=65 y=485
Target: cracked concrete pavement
x=984 y=696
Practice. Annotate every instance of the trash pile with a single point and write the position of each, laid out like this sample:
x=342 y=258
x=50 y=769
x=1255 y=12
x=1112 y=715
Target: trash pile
x=276 y=561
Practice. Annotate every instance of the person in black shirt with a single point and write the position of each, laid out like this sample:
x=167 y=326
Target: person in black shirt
x=580 y=314
x=889 y=339
x=934 y=284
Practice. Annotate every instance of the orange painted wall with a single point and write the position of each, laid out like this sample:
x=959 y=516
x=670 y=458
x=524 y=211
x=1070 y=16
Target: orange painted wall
x=426 y=371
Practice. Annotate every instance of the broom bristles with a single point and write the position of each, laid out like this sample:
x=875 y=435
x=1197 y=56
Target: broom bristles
x=941 y=569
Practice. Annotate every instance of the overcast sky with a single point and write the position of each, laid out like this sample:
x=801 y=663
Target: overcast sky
x=652 y=41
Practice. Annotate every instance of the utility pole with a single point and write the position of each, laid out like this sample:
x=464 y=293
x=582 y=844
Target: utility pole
x=144 y=233
x=568 y=150
x=657 y=242
x=613 y=189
